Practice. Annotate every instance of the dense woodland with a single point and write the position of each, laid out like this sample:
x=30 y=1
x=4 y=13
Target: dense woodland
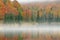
x=13 y=11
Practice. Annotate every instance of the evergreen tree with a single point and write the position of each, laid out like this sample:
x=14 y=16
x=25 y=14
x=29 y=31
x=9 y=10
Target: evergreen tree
x=57 y=19
x=32 y=18
x=38 y=18
x=6 y=17
x=9 y=18
x=50 y=17
x=18 y=18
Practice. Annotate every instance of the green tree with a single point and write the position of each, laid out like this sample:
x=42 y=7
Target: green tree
x=38 y=18
x=18 y=18
x=50 y=17
x=32 y=18
x=9 y=17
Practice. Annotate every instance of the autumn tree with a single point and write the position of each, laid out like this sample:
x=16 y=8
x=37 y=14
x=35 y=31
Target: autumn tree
x=18 y=7
x=50 y=16
x=2 y=10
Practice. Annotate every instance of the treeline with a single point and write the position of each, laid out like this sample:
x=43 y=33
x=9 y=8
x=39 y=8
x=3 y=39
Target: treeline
x=14 y=12
x=33 y=16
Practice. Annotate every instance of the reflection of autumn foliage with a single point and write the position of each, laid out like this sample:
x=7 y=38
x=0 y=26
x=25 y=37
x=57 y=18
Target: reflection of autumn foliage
x=15 y=37
x=28 y=36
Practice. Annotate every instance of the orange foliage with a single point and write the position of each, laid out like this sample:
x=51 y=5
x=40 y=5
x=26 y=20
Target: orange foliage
x=26 y=13
x=16 y=4
x=11 y=8
x=6 y=8
x=2 y=9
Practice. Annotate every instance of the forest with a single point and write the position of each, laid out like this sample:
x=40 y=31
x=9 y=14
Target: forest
x=12 y=11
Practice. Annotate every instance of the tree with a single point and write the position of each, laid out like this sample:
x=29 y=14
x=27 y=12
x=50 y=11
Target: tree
x=19 y=9
x=6 y=17
x=18 y=18
x=34 y=13
x=32 y=18
x=9 y=17
x=38 y=18
x=50 y=17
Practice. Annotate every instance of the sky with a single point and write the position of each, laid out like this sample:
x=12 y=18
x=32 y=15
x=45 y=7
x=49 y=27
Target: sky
x=27 y=1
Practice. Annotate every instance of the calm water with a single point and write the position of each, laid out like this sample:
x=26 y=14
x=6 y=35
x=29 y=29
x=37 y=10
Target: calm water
x=30 y=24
